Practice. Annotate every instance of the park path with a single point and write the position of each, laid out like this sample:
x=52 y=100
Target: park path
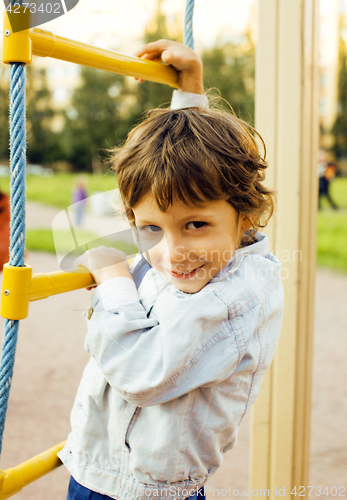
x=50 y=359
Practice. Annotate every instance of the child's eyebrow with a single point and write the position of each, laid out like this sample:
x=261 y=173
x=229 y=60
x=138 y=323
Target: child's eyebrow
x=142 y=222
x=196 y=216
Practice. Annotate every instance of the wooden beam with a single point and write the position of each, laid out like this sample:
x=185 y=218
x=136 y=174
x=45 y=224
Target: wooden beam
x=287 y=119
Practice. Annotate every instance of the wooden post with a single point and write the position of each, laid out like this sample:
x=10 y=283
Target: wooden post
x=287 y=118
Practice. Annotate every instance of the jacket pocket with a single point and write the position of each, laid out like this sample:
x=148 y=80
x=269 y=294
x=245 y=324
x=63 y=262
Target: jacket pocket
x=130 y=426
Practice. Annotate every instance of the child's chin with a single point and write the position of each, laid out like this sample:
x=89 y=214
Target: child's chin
x=186 y=287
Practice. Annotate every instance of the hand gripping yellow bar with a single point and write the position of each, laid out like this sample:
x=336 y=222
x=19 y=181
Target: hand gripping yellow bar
x=14 y=479
x=20 y=286
x=19 y=46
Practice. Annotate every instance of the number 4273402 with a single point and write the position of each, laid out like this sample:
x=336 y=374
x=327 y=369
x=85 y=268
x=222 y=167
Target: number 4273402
x=332 y=491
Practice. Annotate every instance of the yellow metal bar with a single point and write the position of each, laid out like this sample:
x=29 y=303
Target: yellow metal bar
x=20 y=286
x=14 y=479
x=46 y=44
x=19 y=46
x=44 y=285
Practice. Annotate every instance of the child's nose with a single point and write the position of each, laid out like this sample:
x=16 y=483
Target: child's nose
x=175 y=249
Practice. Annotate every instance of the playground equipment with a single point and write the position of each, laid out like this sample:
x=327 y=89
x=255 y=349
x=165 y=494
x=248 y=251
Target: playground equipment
x=287 y=118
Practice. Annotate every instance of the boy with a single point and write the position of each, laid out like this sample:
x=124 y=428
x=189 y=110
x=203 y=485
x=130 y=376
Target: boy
x=180 y=342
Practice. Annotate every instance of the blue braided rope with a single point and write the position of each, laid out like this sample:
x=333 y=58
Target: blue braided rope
x=17 y=246
x=188 y=38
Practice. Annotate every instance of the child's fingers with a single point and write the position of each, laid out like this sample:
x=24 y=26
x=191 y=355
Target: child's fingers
x=154 y=47
x=149 y=57
x=167 y=56
x=154 y=56
x=84 y=261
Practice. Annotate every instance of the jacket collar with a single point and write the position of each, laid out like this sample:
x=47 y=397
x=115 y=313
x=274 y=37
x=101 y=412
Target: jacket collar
x=259 y=247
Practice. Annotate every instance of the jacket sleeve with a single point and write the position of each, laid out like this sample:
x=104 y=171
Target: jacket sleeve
x=185 y=342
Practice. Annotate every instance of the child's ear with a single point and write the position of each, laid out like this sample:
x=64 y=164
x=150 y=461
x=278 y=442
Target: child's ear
x=246 y=223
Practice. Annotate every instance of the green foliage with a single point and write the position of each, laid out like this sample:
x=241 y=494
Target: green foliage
x=94 y=122
x=230 y=69
x=339 y=130
x=106 y=106
x=150 y=95
x=332 y=230
x=43 y=144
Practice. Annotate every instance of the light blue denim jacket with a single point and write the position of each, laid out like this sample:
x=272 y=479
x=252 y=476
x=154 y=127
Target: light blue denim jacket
x=171 y=376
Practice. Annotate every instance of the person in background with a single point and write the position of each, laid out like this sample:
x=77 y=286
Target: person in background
x=79 y=200
x=326 y=172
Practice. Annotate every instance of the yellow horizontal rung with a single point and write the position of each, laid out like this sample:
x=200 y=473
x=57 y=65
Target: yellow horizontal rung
x=44 y=285
x=19 y=46
x=20 y=286
x=46 y=44
x=14 y=479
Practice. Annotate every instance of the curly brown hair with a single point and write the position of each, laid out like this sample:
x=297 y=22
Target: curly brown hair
x=195 y=155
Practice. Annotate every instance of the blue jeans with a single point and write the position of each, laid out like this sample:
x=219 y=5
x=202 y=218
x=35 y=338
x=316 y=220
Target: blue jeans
x=78 y=492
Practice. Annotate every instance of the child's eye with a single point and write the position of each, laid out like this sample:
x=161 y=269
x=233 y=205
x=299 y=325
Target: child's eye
x=150 y=229
x=196 y=224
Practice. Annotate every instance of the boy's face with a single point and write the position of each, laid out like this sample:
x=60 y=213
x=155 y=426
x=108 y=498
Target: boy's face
x=188 y=244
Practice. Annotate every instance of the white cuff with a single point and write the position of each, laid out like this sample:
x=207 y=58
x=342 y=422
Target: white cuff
x=188 y=100
x=117 y=291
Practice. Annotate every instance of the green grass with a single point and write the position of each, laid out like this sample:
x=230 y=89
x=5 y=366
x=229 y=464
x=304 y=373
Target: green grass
x=332 y=229
x=42 y=240
x=57 y=190
x=332 y=241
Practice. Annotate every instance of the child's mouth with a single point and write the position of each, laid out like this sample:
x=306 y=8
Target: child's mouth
x=186 y=275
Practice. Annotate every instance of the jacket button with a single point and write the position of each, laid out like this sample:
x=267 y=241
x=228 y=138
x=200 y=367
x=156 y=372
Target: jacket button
x=90 y=312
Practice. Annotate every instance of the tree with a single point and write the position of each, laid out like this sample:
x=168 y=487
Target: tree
x=94 y=121
x=43 y=143
x=230 y=68
x=339 y=130
x=149 y=95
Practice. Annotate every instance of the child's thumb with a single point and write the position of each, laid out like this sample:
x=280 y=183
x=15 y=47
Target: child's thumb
x=167 y=57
